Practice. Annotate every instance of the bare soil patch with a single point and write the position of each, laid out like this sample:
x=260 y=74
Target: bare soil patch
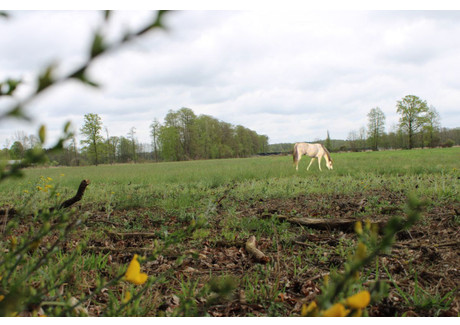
x=428 y=253
x=427 y=256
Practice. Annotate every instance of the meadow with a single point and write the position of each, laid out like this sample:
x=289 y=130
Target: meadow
x=136 y=208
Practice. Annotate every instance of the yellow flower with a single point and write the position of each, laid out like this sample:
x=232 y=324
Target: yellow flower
x=374 y=229
x=361 y=251
x=58 y=194
x=2 y=297
x=359 y=300
x=48 y=186
x=49 y=178
x=14 y=242
x=39 y=188
x=127 y=297
x=26 y=191
x=133 y=273
x=367 y=224
x=311 y=310
x=337 y=310
x=62 y=175
x=359 y=227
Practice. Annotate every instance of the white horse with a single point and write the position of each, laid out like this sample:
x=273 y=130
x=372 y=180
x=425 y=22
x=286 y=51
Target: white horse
x=313 y=150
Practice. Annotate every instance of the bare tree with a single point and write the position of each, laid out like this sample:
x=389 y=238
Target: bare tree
x=131 y=133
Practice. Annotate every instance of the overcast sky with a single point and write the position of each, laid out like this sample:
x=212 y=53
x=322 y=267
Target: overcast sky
x=291 y=75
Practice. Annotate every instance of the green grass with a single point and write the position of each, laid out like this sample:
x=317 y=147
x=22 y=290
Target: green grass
x=164 y=198
x=177 y=185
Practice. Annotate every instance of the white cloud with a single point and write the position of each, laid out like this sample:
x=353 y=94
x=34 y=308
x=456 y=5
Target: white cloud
x=291 y=75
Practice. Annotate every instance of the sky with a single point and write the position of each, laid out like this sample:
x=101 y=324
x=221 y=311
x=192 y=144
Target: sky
x=291 y=74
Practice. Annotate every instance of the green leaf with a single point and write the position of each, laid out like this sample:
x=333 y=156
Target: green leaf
x=159 y=20
x=42 y=134
x=16 y=112
x=8 y=87
x=98 y=46
x=12 y=85
x=80 y=75
x=67 y=126
x=157 y=23
x=45 y=80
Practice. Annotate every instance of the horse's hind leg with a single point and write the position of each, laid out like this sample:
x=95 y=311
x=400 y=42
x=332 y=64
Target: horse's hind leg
x=319 y=163
x=311 y=161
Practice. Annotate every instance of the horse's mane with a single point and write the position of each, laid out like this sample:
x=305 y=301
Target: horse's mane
x=327 y=152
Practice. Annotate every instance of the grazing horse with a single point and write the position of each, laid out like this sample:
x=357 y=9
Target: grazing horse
x=313 y=150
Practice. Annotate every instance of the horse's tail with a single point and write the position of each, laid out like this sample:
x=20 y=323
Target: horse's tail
x=294 y=155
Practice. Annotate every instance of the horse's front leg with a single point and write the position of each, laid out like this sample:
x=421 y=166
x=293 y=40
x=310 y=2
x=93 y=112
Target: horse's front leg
x=319 y=164
x=311 y=161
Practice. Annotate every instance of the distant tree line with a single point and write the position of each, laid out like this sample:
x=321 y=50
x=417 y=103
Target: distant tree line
x=419 y=126
x=185 y=136
x=182 y=136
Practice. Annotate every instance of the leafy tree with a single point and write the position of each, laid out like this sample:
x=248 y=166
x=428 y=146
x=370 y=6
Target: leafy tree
x=226 y=137
x=413 y=116
x=92 y=131
x=205 y=126
x=170 y=137
x=243 y=141
x=170 y=143
x=454 y=134
x=432 y=126
x=186 y=136
x=17 y=150
x=124 y=149
x=376 y=127
x=263 y=144
x=112 y=148
x=186 y=119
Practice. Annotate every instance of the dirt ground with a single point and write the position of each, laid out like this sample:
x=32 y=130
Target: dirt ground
x=430 y=250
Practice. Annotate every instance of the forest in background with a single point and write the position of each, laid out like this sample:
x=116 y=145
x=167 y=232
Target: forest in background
x=182 y=136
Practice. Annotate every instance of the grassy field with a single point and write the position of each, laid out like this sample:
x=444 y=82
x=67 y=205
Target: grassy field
x=137 y=185
x=236 y=198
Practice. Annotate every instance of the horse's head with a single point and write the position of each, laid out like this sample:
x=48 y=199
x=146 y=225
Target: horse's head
x=329 y=164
